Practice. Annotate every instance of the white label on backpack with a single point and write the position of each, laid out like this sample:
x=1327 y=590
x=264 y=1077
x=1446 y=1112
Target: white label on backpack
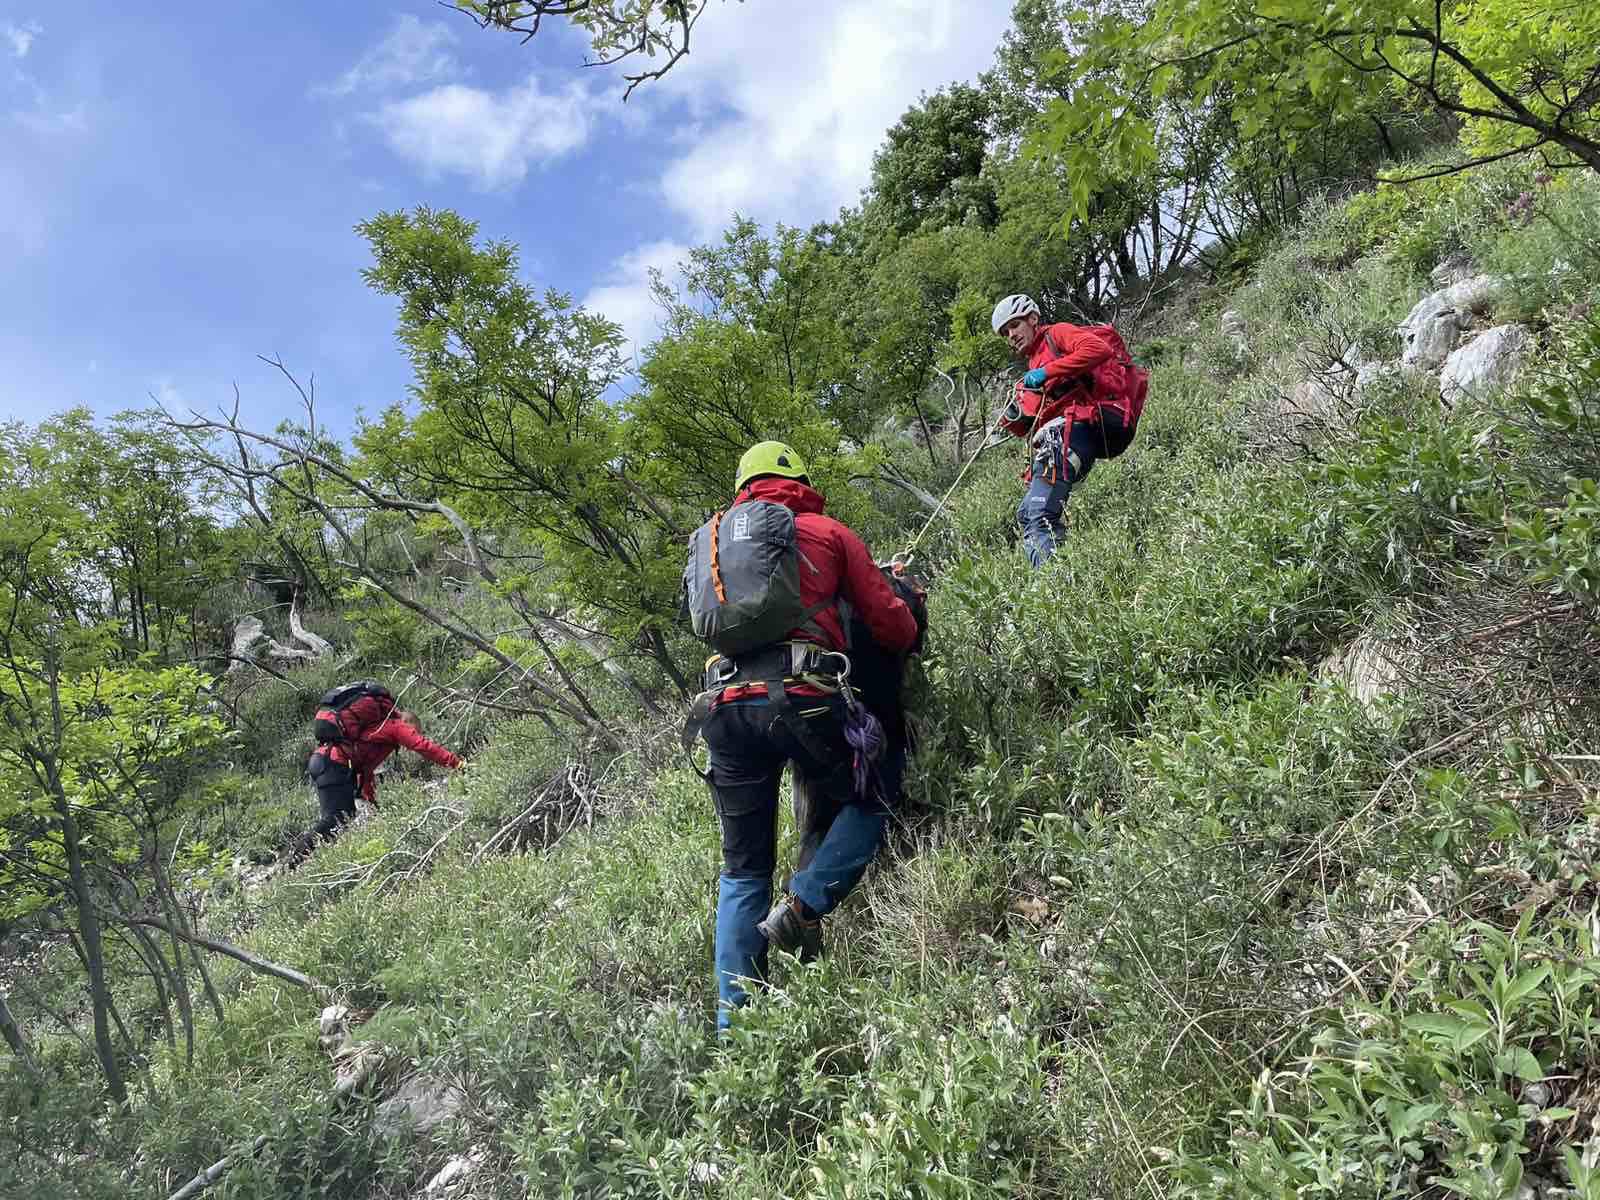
x=741 y=527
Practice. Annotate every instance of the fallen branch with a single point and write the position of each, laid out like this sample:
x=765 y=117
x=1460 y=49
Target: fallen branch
x=1543 y=614
x=254 y=962
x=216 y=1171
x=320 y=645
x=928 y=501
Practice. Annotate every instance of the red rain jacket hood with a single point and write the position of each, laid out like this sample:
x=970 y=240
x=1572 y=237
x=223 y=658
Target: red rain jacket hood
x=835 y=562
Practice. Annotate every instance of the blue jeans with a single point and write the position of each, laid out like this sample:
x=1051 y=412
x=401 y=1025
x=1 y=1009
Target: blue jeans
x=749 y=747
x=1058 y=464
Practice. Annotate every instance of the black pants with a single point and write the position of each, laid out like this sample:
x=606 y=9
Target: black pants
x=750 y=745
x=336 y=795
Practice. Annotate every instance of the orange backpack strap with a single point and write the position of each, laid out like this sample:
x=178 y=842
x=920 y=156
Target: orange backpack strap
x=716 y=568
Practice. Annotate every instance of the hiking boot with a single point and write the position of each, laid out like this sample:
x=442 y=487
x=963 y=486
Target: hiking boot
x=786 y=929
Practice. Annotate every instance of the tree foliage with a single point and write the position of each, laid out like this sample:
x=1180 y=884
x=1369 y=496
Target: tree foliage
x=618 y=30
x=1304 y=75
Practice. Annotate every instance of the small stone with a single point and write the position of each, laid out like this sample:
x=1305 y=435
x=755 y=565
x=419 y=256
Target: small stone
x=1032 y=908
x=1452 y=269
x=1369 y=374
x=705 y=1172
x=1537 y=1094
x=354 y=1065
x=333 y=1019
x=456 y=1170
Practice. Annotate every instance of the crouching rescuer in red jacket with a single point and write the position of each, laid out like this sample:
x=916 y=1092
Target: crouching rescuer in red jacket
x=763 y=585
x=1079 y=402
x=357 y=727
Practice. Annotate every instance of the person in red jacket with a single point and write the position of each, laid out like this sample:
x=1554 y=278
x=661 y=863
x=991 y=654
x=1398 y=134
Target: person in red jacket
x=341 y=771
x=752 y=735
x=1059 y=415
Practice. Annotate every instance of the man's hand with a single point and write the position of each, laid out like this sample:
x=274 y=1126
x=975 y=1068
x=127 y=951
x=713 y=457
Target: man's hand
x=1034 y=378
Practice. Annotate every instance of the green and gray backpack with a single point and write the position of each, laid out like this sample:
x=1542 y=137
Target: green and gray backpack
x=742 y=581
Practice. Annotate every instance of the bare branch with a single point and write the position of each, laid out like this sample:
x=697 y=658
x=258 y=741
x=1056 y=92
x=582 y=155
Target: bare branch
x=253 y=961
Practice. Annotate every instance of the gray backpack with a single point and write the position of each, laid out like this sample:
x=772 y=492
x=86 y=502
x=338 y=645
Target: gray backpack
x=743 y=578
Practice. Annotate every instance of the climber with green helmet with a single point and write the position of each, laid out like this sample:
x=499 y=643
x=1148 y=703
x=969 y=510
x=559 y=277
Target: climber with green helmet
x=764 y=584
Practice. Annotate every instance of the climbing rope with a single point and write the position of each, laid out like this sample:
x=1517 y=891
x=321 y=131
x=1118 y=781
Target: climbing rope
x=903 y=559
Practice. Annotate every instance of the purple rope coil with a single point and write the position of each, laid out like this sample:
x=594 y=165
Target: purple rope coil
x=864 y=734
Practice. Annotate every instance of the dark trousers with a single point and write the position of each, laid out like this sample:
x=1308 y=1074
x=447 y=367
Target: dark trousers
x=750 y=746
x=1058 y=463
x=336 y=795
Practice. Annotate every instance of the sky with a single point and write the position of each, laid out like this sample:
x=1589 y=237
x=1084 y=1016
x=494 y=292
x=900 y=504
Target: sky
x=179 y=183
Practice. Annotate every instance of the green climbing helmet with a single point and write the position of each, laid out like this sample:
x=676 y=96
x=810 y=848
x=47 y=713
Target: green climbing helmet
x=769 y=458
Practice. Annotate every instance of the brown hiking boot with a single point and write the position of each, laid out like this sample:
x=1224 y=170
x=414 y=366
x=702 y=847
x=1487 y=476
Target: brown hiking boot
x=786 y=929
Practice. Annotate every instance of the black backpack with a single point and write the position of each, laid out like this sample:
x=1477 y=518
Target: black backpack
x=742 y=581
x=346 y=711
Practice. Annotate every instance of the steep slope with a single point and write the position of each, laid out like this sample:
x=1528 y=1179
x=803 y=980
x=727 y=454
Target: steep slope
x=1173 y=907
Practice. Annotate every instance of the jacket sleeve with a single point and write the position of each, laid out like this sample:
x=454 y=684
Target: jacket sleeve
x=1083 y=351
x=887 y=616
x=400 y=734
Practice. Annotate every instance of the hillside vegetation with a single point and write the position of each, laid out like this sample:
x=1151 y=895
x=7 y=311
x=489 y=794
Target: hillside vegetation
x=1249 y=849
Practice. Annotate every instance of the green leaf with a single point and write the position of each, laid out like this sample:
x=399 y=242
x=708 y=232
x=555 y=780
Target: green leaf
x=1526 y=982
x=1436 y=1023
x=1519 y=1061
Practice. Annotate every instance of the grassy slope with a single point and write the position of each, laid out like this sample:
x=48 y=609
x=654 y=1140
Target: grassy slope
x=1155 y=859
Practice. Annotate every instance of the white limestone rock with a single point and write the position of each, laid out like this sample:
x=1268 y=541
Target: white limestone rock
x=1485 y=364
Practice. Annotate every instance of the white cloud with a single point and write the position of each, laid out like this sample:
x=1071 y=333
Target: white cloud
x=20 y=37
x=794 y=100
x=414 y=52
x=624 y=294
x=492 y=138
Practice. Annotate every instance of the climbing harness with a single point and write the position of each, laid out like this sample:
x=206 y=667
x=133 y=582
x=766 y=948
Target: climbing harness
x=774 y=668
x=777 y=669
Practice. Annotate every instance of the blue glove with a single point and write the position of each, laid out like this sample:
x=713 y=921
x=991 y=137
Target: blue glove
x=1034 y=378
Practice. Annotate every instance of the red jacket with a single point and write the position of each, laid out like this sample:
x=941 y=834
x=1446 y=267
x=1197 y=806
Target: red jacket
x=1078 y=351
x=834 y=562
x=377 y=744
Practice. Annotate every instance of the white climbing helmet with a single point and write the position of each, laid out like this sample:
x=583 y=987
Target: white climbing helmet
x=1011 y=308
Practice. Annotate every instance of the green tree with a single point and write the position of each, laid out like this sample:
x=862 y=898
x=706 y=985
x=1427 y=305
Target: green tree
x=929 y=171
x=1522 y=76
x=515 y=430
x=91 y=757
x=751 y=349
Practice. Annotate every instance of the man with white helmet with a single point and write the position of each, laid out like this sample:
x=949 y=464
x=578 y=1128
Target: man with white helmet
x=1078 y=402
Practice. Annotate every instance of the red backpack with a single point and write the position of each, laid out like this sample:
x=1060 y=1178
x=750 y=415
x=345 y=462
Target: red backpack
x=347 y=712
x=1118 y=382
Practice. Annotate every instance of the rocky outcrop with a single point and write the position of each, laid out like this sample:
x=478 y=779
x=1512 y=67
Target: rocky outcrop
x=1434 y=325
x=1485 y=364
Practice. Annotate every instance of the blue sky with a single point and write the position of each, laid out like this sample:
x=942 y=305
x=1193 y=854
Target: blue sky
x=179 y=183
